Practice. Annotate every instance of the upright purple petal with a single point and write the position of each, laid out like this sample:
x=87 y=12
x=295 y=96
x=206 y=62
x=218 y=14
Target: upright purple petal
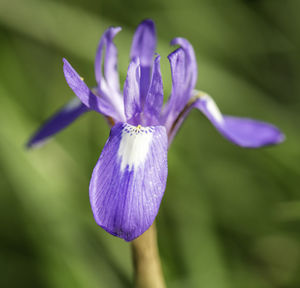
x=144 y=43
x=244 y=132
x=129 y=180
x=155 y=96
x=83 y=92
x=110 y=59
x=143 y=48
x=184 y=76
x=131 y=91
x=109 y=86
x=191 y=69
x=63 y=118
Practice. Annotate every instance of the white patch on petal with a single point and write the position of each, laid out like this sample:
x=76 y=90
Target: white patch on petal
x=134 y=145
x=213 y=109
x=73 y=104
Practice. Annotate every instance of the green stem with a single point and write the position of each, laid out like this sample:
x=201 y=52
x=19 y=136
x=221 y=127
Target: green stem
x=146 y=261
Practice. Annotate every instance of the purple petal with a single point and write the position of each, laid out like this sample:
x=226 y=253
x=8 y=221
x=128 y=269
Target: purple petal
x=184 y=76
x=59 y=121
x=244 y=132
x=143 y=48
x=144 y=43
x=191 y=62
x=131 y=90
x=86 y=96
x=155 y=96
x=109 y=87
x=129 y=180
x=110 y=62
x=251 y=133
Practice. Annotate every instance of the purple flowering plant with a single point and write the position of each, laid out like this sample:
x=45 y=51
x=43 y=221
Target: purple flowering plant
x=129 y=179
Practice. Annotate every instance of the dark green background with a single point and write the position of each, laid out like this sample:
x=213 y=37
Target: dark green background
x=230 y=217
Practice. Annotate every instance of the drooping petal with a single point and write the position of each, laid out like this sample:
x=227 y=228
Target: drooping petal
x=184 y=76
x=131 y=89
x=155 y=96
x=63 y=118
x=83 y=92
x=244 y=132
x=143 y=47
x=129 y=180
x=110 y=59
x=250 y=133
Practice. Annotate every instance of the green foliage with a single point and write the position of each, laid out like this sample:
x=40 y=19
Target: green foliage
x=229 y=218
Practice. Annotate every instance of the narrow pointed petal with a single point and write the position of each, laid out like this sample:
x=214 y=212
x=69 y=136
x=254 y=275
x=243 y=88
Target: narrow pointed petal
x=110 y=60
x=143 y=48
x=63 y=118
x=83 y=92
x=244 y=132
x=129 y=180
x=131 y=89
x=184 y=76
x=155 y=96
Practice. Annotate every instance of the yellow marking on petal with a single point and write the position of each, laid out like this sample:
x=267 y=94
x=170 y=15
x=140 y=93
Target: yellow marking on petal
x=137 y=129
x=81 y=78
x=198 y=95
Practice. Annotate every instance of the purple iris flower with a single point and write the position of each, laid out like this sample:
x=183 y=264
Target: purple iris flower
x=129 y=179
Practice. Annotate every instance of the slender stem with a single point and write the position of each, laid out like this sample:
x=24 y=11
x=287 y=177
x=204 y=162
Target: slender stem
x=146 y=261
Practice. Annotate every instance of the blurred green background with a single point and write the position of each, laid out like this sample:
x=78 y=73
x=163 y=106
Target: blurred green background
x=230 y=217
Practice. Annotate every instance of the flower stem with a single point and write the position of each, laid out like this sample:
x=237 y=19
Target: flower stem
x=146 y=261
